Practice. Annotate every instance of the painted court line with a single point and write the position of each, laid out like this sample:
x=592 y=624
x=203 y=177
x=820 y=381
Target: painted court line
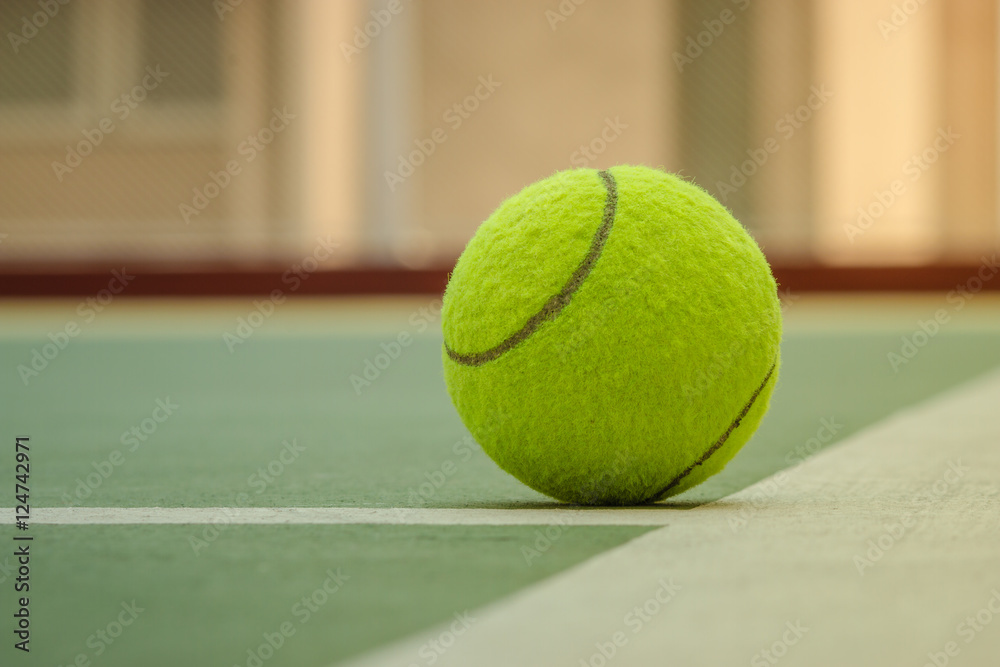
x=652 y=516
x=882 y=550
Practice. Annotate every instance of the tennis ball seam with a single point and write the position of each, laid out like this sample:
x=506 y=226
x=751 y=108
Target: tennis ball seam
x=722 y=440
x=560 y=300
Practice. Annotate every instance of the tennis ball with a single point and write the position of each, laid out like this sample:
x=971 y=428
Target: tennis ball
x=611 y=337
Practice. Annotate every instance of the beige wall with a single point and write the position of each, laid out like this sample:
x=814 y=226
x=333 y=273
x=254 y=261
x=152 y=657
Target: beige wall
x=320 y=175
x=124 y=199
x=114 y=203
x=783 y=190
x=969 y=207
x=558 y=88
x=904 y=82
x=566 y=75
x=887 y=109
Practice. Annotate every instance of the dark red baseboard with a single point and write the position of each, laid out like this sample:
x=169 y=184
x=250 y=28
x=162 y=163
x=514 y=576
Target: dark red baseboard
x=228 y=281
x=931 y=278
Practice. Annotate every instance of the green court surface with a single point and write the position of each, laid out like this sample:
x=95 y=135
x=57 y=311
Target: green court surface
x=149 y=407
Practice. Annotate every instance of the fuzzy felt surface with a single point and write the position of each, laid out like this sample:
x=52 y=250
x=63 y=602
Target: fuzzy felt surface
x=655 y=368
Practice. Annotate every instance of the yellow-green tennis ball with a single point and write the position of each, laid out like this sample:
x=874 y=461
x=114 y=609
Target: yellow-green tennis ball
x=611 y=337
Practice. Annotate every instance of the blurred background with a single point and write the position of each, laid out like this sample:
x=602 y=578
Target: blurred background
x=222 y=133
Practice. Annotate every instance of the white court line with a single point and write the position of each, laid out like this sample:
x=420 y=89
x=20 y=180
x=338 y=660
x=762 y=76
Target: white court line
x=652 y=516
x=917 y=497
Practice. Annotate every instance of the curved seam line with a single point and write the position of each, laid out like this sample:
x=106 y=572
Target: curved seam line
x=722 y=440
x=557 y=302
